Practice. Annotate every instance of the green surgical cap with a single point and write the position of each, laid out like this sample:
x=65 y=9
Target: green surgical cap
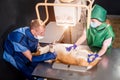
x=98 y=13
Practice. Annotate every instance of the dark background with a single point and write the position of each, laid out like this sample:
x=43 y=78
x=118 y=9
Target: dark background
x=19 y=13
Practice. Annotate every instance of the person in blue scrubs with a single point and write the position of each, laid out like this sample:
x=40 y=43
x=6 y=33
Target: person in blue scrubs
x=21 y=43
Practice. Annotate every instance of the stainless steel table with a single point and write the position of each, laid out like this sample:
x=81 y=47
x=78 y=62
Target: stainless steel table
x=107 y=69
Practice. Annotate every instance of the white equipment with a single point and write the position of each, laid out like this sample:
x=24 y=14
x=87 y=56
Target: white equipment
x=66 y=14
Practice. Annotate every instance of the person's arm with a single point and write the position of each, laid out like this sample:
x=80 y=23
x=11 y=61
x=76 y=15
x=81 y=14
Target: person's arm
x=82 y=38
x=28 y=55
x=105 y=46
x=39 y=58
x=78 y=42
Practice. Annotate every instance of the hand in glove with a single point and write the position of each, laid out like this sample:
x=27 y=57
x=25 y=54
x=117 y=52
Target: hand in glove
x=70 y=47
x=92 y=57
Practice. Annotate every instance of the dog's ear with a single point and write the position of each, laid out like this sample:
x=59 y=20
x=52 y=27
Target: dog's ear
x=37 y=53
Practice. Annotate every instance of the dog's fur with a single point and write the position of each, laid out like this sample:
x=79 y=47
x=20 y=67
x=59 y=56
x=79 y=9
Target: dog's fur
x=76 y=56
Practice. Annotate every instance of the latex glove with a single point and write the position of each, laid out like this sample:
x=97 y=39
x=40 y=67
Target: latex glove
x=70 y=47
x=92 y=57
x=43 y=57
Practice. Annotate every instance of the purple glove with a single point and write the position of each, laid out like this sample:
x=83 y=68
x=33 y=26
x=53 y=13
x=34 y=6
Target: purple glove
x=92 y=55
x=70 y=47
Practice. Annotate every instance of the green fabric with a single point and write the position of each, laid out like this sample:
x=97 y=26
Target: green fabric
x=96 y=36
x=99 y=13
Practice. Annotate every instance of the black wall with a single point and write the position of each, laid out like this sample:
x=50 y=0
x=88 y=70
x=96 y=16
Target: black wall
x=112 y=6
x=21 y=12
x=18 y=12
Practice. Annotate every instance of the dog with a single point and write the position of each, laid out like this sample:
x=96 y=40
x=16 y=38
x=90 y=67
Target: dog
x=77 y=56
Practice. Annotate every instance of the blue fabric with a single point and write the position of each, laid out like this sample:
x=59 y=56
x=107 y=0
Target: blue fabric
x=18 y=47
x=43 y=57
x=20 y=40
x=9 y=58
x=17 y=42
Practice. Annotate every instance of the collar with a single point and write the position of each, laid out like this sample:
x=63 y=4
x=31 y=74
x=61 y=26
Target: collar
x=102 y=26
x=29 y=34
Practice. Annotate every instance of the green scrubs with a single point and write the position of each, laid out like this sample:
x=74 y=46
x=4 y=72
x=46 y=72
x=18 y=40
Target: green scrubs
x=96 y=36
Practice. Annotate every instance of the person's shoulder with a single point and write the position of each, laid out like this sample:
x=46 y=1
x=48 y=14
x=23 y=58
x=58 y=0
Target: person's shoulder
x=21 y=30
x=109 y=29
x=109 y=26
x=18 y=34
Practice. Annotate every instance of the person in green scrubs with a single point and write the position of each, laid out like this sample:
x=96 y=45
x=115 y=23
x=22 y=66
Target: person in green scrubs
x=99 y=35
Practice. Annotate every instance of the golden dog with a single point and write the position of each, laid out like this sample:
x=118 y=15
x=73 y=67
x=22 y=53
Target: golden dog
x=77 y=56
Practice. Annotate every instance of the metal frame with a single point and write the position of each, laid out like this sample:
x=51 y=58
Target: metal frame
x=88 y=8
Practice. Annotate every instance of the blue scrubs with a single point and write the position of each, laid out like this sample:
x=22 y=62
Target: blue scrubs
x=16 y=43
